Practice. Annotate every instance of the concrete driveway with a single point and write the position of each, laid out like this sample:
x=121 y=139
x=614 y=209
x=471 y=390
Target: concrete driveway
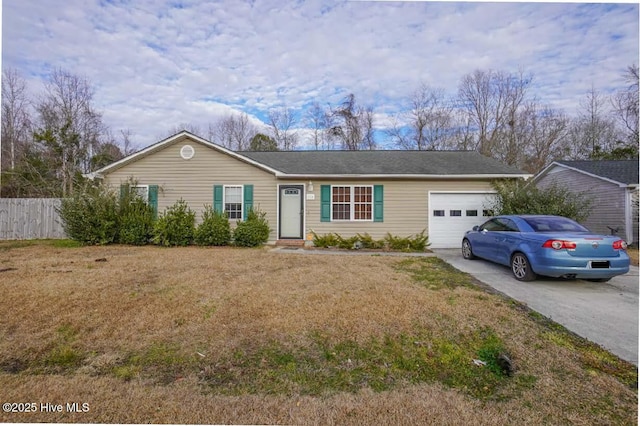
x=605 y=313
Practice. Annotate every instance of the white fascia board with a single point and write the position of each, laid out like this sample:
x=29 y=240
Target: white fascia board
x=158 y=145
x=399 y=176
x=544 y=171
x=615 y=182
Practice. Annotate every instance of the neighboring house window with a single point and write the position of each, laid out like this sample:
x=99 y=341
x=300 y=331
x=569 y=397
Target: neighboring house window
x=352 y=203
x=233 y=201
x=438 y=213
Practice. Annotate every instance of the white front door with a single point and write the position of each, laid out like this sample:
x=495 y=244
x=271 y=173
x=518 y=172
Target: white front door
x=291 y=211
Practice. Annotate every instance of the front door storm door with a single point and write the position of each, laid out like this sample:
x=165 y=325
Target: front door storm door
x=291 y=211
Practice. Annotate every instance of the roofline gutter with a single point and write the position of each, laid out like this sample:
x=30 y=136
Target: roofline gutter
x=400 y=176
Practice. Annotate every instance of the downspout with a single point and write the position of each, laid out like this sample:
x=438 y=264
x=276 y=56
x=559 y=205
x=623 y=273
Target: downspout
x=628 y=213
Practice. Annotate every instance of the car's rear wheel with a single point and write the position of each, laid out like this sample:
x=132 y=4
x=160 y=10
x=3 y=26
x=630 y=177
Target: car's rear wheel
x=467 y=252
x=521 y=268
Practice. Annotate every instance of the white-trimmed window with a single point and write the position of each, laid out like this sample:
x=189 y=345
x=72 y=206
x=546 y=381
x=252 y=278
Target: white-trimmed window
x=233 y=201
x=354 y=203
x=141 y=191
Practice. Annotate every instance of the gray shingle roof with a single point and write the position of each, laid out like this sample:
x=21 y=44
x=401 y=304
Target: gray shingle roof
x=382 y=163
x=623 y=171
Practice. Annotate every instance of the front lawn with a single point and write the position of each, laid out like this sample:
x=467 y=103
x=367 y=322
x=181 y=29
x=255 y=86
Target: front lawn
x=226 y=335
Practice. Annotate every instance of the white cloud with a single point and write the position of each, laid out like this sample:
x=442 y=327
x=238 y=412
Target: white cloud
x=155 y=66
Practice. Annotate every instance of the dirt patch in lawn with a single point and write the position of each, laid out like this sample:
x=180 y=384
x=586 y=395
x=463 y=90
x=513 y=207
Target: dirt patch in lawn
x=197 y=335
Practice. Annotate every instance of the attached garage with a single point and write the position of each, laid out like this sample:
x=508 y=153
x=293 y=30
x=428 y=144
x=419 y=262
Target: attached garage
x=453 y=213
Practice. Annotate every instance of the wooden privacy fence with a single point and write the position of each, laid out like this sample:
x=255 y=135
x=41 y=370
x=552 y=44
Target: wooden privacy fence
x=30 y=219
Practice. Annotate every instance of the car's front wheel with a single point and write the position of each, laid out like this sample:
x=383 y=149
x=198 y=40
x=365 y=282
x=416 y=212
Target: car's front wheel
x=467 y=252
x=521 y=268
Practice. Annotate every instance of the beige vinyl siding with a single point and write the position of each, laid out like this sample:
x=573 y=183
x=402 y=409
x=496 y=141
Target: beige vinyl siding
x=608 y=199
x=405 y=206
x=193 y=180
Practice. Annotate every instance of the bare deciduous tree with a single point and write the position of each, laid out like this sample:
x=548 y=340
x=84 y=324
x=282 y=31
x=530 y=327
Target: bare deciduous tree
x=318 y=119
x=625 y=105
x=189 y=127
x=281 y=124
x=69 y=126
x=233 y=132
x=16 y=118
x=542 y=135
x=593 y=130
x=428 y=124
x=353 y=125
x=491 y=100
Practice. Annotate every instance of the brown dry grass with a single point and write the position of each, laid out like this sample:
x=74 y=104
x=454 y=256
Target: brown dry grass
x=633 y=255
x=72 y=328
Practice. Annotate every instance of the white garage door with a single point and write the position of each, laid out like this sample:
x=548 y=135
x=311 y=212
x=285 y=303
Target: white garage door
x=451 y=214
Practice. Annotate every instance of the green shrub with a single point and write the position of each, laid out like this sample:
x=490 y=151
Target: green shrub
x=518 y=197
x=176 y=226
x=325 y=241
x=252 y=232
x=90 y=216
x=136 y=218
x=214 y=229
x=418 y=242
x=367 y=242
x=347 y=243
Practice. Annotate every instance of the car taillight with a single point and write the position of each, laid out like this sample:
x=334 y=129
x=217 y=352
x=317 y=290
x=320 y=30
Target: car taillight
x=559 y=244
x=620 y=245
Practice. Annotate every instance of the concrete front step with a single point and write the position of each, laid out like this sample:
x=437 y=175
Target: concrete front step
x=290 y=243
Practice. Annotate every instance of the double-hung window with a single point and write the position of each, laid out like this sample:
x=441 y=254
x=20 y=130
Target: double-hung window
x=352 y=203
x=148 y=193
x=233 y=201
x=141 y=191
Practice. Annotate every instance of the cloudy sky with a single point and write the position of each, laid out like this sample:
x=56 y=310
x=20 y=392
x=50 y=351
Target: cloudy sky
x=157 y=64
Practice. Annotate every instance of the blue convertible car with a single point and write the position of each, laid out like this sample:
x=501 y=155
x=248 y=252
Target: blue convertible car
x=553 y=246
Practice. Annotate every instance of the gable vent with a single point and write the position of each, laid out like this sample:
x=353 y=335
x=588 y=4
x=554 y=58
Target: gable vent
x=187 y=152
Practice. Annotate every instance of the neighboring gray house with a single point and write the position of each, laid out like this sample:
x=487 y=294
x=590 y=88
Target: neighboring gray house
x=612 y=186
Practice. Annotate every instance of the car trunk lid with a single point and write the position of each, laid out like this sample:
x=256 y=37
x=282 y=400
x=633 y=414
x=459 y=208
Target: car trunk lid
x=589 y=245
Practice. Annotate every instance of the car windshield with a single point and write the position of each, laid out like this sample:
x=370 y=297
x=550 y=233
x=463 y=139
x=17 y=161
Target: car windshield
x=554 y=224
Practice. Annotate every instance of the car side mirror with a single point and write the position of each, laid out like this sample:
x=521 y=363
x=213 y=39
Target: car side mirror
x=475 y=228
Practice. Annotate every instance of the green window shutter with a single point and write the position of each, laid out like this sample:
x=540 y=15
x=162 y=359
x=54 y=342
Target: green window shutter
x=325 y=203
x=248 y=200
x=217 y=199
x=378 y=206
x=153 y=199
x=123 y=191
